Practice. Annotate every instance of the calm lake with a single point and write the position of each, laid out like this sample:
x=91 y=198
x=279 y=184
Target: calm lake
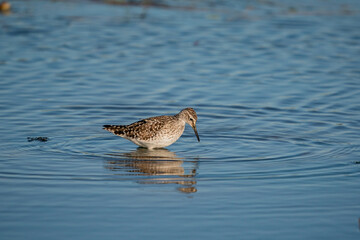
x=275 y=84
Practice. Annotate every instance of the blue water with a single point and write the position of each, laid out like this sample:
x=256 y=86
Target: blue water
x=276 y=88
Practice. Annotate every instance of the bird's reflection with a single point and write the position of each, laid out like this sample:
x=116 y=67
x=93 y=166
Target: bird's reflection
x=160 y=165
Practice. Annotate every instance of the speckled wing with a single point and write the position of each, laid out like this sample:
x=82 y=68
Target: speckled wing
x=145 y=129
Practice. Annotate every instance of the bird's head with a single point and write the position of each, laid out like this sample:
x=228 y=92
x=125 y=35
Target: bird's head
x=190 y=117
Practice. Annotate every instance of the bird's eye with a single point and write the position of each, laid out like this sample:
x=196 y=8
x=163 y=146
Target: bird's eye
x=191 y=119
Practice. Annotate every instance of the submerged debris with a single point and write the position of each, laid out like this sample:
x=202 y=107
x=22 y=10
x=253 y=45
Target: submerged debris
x=40 y=139
x=5 y=7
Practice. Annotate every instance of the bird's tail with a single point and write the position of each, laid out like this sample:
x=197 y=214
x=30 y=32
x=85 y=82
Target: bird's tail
x=116 y=129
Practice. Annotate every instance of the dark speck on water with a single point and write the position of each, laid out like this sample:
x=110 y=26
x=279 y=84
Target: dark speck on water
x=276 y=88
x=40 y=139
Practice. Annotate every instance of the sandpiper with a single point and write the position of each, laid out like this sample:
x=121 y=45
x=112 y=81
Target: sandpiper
x=156 y=132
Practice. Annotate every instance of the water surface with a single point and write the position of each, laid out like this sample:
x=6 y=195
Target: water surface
x=276 y=88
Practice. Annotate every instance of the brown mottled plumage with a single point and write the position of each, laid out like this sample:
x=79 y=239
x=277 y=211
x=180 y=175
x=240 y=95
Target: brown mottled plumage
x=156 y=132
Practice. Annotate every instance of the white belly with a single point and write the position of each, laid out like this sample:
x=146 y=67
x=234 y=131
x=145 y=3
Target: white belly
x=163 y=140
x=150 y=145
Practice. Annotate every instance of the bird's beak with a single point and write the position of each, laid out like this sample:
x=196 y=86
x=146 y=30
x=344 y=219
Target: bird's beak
x=196 y=133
